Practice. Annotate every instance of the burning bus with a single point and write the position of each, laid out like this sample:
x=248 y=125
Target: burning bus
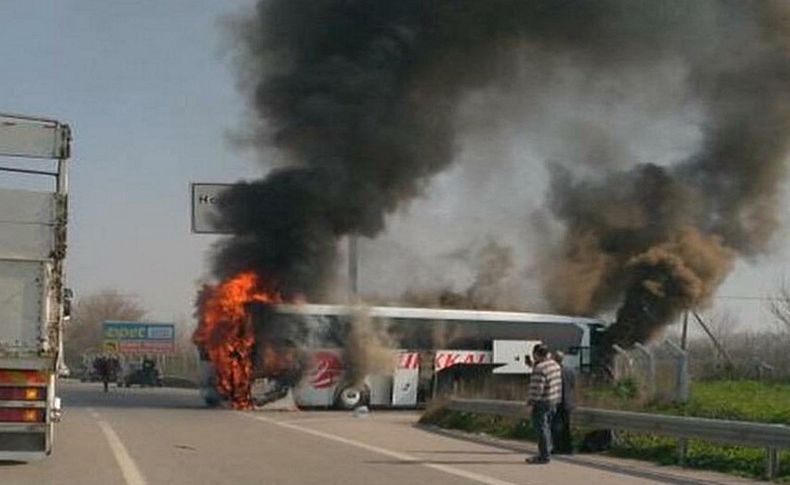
x=340 y=356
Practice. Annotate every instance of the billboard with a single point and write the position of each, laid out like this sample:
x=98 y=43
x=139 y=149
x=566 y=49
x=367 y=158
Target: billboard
x=139 y=337
x=206 y=199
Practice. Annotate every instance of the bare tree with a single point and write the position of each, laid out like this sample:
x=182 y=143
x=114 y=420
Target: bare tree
x=722 y=325
x=84 y=332
x=779 y=306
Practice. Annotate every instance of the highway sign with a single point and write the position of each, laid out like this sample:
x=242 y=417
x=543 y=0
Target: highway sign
x=139 y=337
x=206 y=200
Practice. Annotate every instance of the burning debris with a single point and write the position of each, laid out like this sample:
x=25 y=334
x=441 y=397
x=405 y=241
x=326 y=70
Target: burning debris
x=360 y=98
x=225 y=333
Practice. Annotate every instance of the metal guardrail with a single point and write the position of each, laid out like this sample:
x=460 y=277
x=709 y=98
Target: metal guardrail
x=772 y=437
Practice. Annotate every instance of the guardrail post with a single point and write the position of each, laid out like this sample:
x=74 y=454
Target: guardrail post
x=772 y=463
x=683 y=449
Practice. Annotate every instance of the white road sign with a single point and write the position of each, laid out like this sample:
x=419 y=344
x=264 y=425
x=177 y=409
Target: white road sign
x=206 y=199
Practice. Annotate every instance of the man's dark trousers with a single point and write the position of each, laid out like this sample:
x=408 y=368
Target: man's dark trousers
x=561 y=430
x=542 y=414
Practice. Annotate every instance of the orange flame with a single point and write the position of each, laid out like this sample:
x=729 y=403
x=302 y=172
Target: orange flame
x=225 y=332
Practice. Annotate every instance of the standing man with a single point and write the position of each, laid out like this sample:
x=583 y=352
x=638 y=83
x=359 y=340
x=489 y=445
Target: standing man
x=545 y=391
x=561 y=426
x=149 y=371
x=102 y=366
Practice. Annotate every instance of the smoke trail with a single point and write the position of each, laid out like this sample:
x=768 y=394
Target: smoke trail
x=367 y=349
x=361 y=96
x=491 y=265
x=338 y=96
x=665 y=238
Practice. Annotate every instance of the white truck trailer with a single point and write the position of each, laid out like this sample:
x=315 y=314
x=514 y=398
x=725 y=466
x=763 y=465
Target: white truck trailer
x=33 y=297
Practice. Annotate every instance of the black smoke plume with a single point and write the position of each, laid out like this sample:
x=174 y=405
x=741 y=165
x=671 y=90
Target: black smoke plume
x=654 y=240
x=360 y=97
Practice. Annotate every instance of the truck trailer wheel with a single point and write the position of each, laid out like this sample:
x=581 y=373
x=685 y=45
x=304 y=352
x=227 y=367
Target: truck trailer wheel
x=351 y=397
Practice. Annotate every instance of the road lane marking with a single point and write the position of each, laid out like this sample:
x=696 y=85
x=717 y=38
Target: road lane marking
x=128 y=467
x=383 y=451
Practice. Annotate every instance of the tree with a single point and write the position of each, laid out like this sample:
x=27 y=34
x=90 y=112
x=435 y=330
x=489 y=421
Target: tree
x=83 y=334
x=779 y=306
x=722 y=325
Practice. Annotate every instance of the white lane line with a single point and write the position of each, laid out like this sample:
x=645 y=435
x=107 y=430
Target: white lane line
x=129 y=469
x=383 y=451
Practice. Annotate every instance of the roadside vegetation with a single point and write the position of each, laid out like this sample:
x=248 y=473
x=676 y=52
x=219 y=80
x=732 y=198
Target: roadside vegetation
x=732 y=400
x=83 y=335
x=737 y=400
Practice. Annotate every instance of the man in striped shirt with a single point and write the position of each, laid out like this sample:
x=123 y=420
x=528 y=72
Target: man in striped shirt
x=545 y=392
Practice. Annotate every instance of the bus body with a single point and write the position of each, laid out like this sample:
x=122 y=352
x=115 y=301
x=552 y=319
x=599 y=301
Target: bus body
x=432 y=350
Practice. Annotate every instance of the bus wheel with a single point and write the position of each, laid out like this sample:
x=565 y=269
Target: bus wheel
x=351 y=397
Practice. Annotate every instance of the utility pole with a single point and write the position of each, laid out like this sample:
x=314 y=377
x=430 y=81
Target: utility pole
x=722 y=352
x=353 y=267
x=685 y=334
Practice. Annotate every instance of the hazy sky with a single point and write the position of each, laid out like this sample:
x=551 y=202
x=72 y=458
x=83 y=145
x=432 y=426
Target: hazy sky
x=149 y=91
x=150 y=97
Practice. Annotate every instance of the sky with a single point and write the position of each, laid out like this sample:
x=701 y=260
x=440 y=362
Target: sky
x=148 y=88
x=149 y=93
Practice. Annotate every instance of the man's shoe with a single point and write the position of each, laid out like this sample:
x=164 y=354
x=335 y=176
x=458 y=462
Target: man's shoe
x=536 y=460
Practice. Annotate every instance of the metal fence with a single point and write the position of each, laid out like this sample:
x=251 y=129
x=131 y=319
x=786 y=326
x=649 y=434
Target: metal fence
x=772 y=437
x=661 y=370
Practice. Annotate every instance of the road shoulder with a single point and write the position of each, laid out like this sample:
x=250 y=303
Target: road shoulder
x=635 y=468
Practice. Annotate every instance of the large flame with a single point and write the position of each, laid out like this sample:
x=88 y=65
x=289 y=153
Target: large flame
x=225 y=333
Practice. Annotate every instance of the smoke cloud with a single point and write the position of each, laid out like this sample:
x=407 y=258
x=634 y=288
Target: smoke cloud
x=362 y=98
x=665 y=237
x=490 y=289
x=367 y=349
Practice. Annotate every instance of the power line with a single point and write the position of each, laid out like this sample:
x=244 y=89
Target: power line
x=744 y=297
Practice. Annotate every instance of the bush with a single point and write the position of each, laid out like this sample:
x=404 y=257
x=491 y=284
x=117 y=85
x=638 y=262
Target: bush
x=626 y=389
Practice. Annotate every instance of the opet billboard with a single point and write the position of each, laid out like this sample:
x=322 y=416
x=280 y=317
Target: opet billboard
x=139 y=337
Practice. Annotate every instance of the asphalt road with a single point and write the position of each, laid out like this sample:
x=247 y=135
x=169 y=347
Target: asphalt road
x=165 y=436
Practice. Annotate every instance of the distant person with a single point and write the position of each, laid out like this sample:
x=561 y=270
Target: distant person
x=149 y=370
x=545 y=392
x=114 y=365
x=561 y=425
x=102 y=365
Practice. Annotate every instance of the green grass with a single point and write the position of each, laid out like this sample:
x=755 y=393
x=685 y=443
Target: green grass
x=739 y=401
x=733 y=400
x=735 y=460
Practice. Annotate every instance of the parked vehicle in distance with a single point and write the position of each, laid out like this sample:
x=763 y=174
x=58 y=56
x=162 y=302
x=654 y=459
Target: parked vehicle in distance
x=138 y=374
